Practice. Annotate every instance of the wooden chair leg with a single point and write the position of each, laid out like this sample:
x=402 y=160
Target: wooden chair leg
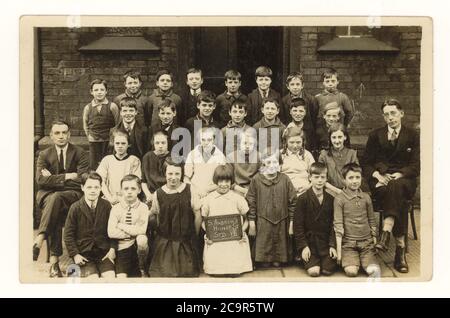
x=413 y=221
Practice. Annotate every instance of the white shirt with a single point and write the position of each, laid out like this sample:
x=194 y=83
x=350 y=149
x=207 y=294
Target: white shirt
x=391 y=130
x=201 y=172
x=58 y=151
x=129 y=127
x=264 y=94
x=89 y=203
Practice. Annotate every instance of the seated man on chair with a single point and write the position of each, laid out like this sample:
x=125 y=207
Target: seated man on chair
x=392 y=163
x=58 y=176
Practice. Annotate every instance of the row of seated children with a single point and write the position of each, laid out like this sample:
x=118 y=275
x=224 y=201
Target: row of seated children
x=271 y=197
x=201 y=161
x=164 y=110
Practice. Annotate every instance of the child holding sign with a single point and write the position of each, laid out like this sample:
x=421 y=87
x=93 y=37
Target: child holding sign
x=227 y=250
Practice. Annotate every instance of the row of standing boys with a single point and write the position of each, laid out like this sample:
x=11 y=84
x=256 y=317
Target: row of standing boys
x=154 y=206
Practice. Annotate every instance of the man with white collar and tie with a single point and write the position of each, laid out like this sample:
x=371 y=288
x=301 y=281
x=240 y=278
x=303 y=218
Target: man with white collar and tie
x=58 y=172
x=392 y=163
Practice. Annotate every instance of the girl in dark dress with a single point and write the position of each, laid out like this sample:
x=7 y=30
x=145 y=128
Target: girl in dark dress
x=177 y=226
x=153 y=176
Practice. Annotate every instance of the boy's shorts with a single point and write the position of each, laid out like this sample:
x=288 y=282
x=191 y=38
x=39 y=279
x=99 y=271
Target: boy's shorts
x=358 y=253
x=326 y=263
x=95 y=264
x=127 y=262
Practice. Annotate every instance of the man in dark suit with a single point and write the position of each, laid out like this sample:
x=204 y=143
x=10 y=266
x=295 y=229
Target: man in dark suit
x=392 y=163
x=58 y=172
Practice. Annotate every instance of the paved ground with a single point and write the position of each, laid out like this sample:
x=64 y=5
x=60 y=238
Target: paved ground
x=290 y=273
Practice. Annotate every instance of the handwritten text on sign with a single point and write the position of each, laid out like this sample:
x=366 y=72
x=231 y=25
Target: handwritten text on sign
x=224 y=228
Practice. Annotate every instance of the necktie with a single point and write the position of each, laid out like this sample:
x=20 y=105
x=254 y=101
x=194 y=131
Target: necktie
x=61 y=162
x=92 y=207
x=393 y=137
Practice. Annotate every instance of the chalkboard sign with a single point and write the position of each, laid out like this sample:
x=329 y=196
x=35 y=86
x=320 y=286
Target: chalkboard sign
x=224 y=228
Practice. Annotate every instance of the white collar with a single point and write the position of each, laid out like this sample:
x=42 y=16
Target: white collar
x=64 y=149
x=89 y=203
x=397 y=130
x=261 y=92
x=167 y=190
x=131 y=125
x=197 y=91
x=125 y=205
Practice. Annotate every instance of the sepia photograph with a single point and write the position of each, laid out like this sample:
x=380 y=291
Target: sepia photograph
x=225 y=149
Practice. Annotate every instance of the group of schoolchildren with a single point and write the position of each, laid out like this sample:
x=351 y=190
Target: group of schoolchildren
x=147 y=210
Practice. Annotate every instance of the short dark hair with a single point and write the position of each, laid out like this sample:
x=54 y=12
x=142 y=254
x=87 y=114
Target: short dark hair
x=327 y=73
x=223 y=172
x=132 y=74
x=166 y=103
x=91 y=175
x=59 y=122
x=131 y=177
x=232 y=74
x=270 y=100
x=99 y=81
x=169 y=161
x=164 y=72
x=351 y=167
x=239 y=103
x=298 y=101
x=317 y=168
x=293 y=75
x=194 y=70
x=128 y=102
x=206 y=96
x=391 y=102
x=263 y=71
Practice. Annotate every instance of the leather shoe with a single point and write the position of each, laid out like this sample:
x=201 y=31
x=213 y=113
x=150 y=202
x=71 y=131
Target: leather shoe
x=400 y=263
x=36 y=251
x=55 y=271
x=383 y=243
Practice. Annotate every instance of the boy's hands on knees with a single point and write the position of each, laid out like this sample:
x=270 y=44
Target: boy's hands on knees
x=333 y=253
x=306 y=254
x=111 y=255
x=252 y=228
x=291 y=228
x=79 y=259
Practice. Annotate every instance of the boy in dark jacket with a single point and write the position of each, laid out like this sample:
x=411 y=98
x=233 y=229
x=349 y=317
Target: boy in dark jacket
x=86 y=231
x=313 y=225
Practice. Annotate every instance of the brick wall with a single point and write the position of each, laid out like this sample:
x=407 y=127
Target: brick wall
x=67 y=72
x=381 y=74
